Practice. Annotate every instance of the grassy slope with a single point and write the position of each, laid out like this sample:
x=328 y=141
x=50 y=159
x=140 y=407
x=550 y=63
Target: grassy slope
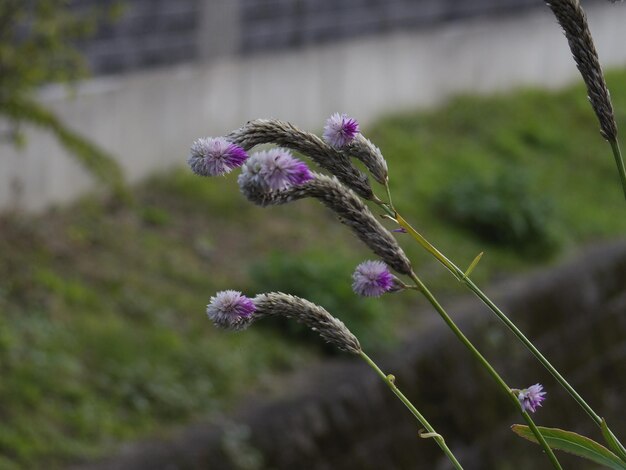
x=102 y=336
x=552 y=138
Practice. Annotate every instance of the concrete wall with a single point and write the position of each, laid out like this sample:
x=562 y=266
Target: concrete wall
x=149 y=119
x=340 y=415
x=271 y=24
x=147 y=33
x=151 y=33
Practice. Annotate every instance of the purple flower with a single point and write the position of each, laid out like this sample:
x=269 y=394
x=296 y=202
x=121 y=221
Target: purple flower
x=213 y=156
x=399 y=230
x=276 y=169
x=230 y=309
x=340 y=130
x=530 y=398
x=372 y=278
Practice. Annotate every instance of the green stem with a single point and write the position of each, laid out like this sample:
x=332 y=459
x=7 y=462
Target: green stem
x=388 y=193
x=486 y=365
x=531 y=347
x=438 y=438
x=541 y=439
x=620 y=163
x=460 y=276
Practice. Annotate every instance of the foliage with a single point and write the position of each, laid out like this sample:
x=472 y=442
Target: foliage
x=573 y=443
x=110 y=298
x=38 y=46
x=551 y=135
x=103 y=335
x=503 y=211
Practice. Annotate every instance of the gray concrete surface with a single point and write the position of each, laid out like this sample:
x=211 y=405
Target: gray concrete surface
x=149 y=119
x=153 y=33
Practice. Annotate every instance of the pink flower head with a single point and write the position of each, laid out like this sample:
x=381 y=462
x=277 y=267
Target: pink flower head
x=214 y=156
x=530 y=398
x=276 y=169
x=230 y=309
x=340 y=130
x=372 y=278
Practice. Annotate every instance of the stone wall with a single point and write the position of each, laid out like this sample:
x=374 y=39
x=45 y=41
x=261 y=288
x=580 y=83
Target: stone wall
x=272 y=24
x=341 y=416
x=151 y=33
x=148 y=33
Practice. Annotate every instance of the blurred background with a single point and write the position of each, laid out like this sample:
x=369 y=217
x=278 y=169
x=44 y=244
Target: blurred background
x=110 y=248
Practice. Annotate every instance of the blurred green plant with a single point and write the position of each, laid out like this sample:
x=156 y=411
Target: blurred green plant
x=38 y=46
x=502 y=210
x=324 y=280
x=74 y=372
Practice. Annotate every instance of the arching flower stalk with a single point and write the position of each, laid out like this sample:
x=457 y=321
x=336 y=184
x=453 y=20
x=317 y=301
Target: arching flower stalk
x=266 y=181
x=341 y=200
x=256 y=181
x=284 y=134
x=357 y=216
x=572 y=18
x=232 y=311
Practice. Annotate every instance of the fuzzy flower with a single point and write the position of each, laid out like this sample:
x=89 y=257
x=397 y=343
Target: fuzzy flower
x=231 y=310
x=340 y=130
x=372 y=278
x=530 y=398
x=286 y=135
x=215 y=156
x=275 y=170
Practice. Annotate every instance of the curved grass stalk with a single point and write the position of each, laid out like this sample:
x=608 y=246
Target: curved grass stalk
x=421 y=287
x=389 y=380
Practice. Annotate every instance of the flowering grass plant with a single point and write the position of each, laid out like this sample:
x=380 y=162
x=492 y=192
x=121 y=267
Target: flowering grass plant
x=275 y=177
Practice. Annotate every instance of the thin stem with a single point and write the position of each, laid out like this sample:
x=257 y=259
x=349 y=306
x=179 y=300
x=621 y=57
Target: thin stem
x=460 y=276
x=486 y=365
x=531 y=347
x=539 y=436
x=620 y=163
x=436 y=436
x=427 y=245
x=389 y=194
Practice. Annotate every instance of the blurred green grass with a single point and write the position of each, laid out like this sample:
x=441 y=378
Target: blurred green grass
x=103 y=336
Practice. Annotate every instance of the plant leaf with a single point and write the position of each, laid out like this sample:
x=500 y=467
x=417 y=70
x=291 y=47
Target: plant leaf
x=611 y=441
x=573 y=443
x=426 y=244
x=473 y=265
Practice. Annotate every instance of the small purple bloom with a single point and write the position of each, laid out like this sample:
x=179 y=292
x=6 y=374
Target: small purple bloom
x=230 y=309
x=340 y=130
x=399 y=230
x=372 y=278
x=215 y=156
x=276 y=169
x=530 y=398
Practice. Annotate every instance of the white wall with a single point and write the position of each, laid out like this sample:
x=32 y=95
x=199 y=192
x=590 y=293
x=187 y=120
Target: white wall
x=149 y=119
